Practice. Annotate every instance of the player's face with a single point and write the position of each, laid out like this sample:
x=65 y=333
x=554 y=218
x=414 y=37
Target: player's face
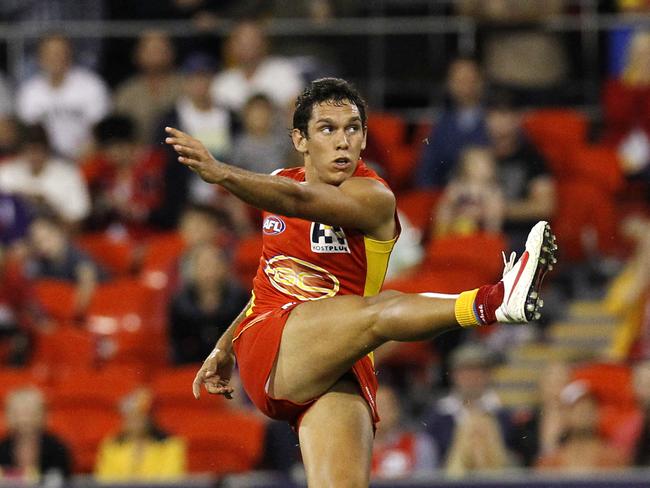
x=336 y=137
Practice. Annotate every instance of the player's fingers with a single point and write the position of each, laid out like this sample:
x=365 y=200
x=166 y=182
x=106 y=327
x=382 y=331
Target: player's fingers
x=174 y=132
x=196 y=384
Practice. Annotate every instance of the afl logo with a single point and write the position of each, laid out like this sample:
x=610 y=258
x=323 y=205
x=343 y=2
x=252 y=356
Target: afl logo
x=273 y=226
x=301 y=279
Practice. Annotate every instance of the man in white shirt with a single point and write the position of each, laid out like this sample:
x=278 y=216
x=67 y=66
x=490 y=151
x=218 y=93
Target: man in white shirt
x=68 y=100
x=45 y=180
x=253 y=71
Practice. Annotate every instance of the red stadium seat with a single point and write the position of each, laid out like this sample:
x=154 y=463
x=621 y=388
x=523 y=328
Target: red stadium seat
x=221 y=442
x=116 y=255
x=172 y=389
x=555 y=132
x=67 y=347
x=247 y=259
x=56 y=297
x=418 y=206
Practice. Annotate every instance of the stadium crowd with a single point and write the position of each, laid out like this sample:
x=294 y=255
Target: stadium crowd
x=119 y=268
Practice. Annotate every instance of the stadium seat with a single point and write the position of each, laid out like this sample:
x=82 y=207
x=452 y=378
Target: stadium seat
x=611 y=383
x=67 y=347
x=221 y=442
x=115 y=255
x=172 y=387
x=555 y=132
x=56 y=297
x=598 y=164
x=247 y=259
x=160 y=252
x=419 y=206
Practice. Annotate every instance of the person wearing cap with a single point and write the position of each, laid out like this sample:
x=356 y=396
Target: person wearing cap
x=141 y=451
x=470 y=370
x=582 y=447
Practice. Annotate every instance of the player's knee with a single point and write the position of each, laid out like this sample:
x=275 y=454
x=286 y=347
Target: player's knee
x=380 y=310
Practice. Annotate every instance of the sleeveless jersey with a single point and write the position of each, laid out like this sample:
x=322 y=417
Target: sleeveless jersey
x=303 y=260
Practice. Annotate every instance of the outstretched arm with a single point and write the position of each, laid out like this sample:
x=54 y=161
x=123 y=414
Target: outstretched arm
x=360 y=203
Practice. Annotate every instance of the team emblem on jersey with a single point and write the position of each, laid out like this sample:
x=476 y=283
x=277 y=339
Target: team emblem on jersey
x=273 y=225
x=301 y=279
x=328 y=239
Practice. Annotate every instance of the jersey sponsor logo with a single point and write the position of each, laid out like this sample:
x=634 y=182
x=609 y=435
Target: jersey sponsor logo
x=328 y=239
x=301 y=279
x=273 y=225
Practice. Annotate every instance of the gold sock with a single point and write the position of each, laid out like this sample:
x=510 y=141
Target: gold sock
x=464 y=309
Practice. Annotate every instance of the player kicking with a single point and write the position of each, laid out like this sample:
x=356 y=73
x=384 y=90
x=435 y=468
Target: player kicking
x=304 y=343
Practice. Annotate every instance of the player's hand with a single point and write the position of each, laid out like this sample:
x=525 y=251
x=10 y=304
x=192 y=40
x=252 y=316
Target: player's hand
x=193 y=154
x=215 y=374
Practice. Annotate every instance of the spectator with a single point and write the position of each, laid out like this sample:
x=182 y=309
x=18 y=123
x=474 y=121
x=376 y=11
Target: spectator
x=29 y=452
x=151 y=93
x=21 y=315
x=518 y=52
x=205 y=306
x=582 y=448
x=197 y=114
x=262 y=147
x=641 y=376
x=477 y=446
x=461 y=124
x=125 y=178
x=67 y=99
x=473 y=200
x=627 y=110
x=399 y=452
x=470 y=375
x=528 y=187
x=15 y=217
x=539 y=431
x=49 y=183
x=9 y=137
x=141 y=451
x=54 y=256
x=254 y=71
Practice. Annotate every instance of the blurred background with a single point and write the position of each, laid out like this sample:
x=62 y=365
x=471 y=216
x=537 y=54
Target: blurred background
x=119 y=269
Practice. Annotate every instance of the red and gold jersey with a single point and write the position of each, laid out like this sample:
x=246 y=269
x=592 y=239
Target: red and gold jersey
x=303 y=260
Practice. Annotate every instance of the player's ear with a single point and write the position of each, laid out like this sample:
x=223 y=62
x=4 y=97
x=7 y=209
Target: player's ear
x=365 y=137
x=299 y=140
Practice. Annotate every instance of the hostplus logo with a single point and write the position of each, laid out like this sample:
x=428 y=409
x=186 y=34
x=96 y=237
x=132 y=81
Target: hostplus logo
x=328 y=239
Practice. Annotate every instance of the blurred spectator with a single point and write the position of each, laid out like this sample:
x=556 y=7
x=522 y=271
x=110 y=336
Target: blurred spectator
x=15 y=216
x=641 y=376
x=461 y=124
x=21 y=315
x=539 y=431
x=9 y=137
x=125 y=178
x=42 y=14
x=399 y=452
x=141 y=451
x=263 y=146
x=29 y=452
x=152 y=92
x=518 y=52
x=582 y=448
x=205 y=306
x=626 y=104
x=473 y=200
x=477 y=446
x=408 y=251
x=54 y=256
x=251 y=70
x=6 y=98
x=67 y=99
x=471 y=366
x=48 y=182
x=528 y=187
x=197 y=114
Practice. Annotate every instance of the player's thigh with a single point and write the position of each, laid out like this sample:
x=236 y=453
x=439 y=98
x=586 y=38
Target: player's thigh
x=336 y=438
x=320 y=342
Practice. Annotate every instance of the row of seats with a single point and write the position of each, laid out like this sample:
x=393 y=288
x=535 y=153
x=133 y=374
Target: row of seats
x=82 y=409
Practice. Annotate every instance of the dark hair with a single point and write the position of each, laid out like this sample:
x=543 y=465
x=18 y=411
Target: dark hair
x=330 y=90
x=215 y=215
x=258 y=97
x=34 y=134
x=114 y=128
